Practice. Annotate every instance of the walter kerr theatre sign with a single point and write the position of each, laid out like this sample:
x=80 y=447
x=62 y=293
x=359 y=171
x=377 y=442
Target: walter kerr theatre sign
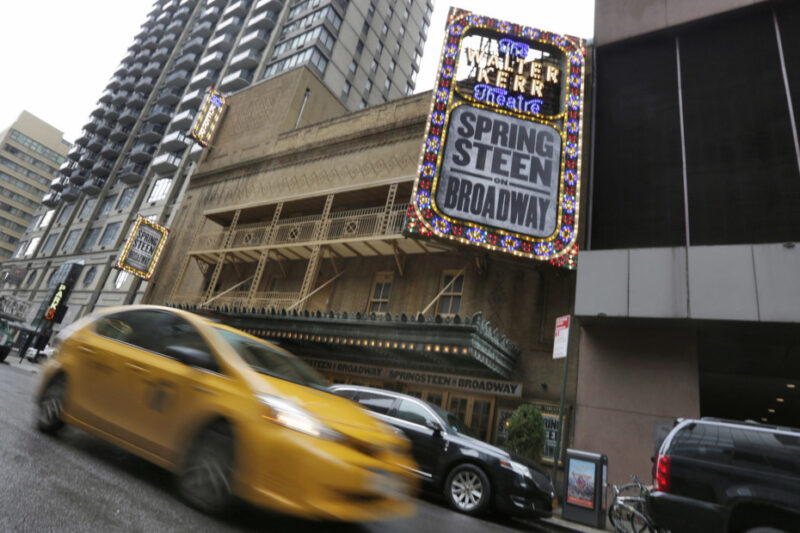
x=143 y=248
x=501 y=162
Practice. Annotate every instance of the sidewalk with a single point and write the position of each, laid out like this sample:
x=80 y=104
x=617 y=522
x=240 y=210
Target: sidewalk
x=559 y=524
x=13 y=361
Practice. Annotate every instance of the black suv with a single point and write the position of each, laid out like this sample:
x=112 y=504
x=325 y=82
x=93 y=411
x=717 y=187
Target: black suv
x=721 y=475
x=472 y=474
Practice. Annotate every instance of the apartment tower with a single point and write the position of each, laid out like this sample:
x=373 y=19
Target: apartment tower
x=31 y=150
x=134 y=157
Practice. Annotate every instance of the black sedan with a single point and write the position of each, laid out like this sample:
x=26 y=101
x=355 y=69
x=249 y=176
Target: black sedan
x=473 y=475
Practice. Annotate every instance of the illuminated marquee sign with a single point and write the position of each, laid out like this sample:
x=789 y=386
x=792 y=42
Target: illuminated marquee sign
x=52 y=309
x=205 y=124
x=143 y=248
x=501 y=162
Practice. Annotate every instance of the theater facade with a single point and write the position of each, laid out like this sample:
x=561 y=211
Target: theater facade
x=294 y=227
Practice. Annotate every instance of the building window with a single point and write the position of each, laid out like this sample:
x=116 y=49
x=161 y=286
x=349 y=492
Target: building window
x=371 y=10
x=452 y=287
x=32 y=246
x=392 y=65
x=126 y=198
x=86 y=210
x=50 y=243
x=353 y=65
x=373 y=67
x=401 y=33
x=387 y=84
x=379 y=297
x=21 y=249
x=378 y=50
x=71 y=240
x=109 y=234
x=368 y=86
x=365 y=29
x=359 y=47
x=363 y=104
x=385 y=29
x=31 y=279
x=88 y=278
x=107 y=205
x=91 y=238
x=346 y=88
x=160 y=190
x=405 y=14
x=121 y=278
x=34 y=222
x=65 y=213
x=409 y=88
x=47 y=218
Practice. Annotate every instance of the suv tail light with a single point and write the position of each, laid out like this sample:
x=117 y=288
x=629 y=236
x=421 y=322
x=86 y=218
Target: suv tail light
x=663 y=465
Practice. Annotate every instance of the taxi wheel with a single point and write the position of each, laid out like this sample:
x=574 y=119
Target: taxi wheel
x=205 y=481
x=51 y=404
x=467 y=489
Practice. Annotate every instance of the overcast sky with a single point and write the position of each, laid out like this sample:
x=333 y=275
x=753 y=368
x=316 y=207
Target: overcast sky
x=58 y=55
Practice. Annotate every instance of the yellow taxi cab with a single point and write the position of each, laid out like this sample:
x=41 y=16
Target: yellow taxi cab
x=231 y=415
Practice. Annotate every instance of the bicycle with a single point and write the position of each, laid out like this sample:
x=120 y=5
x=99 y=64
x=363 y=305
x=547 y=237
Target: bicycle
x=628 y=512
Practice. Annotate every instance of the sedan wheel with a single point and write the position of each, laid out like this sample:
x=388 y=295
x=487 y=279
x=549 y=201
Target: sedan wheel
x=205 y=481
x=467 y=489
x=51 y=405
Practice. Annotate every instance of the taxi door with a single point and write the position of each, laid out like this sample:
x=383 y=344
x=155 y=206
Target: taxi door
x=168 y=396
x=95 y=378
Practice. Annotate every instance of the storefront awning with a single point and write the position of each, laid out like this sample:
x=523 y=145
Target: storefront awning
x=460 y=345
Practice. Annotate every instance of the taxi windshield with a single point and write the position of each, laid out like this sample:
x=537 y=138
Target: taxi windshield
x=267 y=360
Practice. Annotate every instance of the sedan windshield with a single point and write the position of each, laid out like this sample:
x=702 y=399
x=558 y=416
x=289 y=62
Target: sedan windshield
x=453 y=422
x=267 y=360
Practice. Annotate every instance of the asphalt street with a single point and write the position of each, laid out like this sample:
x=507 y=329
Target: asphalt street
x=77 y=482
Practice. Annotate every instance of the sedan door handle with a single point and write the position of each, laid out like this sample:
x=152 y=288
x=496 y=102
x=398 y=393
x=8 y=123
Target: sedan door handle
x=137 y=368
x=203 y=389
x=85 y=349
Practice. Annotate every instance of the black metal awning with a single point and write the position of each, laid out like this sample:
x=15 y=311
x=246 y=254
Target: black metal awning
x=467 y=346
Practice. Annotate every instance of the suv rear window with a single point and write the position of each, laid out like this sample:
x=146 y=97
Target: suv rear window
x=750 y=448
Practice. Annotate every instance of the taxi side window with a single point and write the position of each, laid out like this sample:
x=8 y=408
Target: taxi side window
x=118 y=327
x=413 y=412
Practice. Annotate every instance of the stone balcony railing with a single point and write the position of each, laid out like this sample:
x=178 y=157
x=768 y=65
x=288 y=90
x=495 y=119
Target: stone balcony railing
x=241 y=299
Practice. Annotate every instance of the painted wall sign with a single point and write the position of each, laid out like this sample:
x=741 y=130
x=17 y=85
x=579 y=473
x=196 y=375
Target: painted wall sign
x=207 y=119
x=143 y=248
x=500 y=167
x=404 y=375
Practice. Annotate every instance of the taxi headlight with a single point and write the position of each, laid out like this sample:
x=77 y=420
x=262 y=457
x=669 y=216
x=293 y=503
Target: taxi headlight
x=291 y=416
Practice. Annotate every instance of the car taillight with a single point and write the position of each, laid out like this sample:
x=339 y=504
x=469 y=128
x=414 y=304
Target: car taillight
x=663 y=473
